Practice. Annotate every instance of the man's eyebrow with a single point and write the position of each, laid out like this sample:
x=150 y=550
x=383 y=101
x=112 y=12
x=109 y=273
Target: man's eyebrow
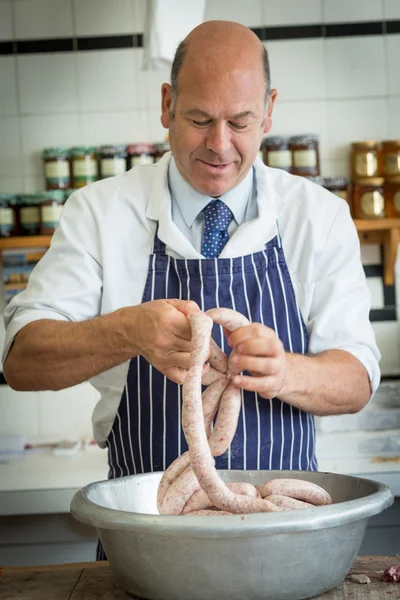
x=196 y=111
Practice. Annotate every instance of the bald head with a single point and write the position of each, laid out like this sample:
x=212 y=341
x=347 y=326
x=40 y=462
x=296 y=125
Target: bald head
x=217 y=47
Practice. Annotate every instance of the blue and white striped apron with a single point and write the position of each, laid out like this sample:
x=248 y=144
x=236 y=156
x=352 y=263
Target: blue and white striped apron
x=147 y=434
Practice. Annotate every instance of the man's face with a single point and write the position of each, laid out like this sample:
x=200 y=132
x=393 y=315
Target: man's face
x=216 y=125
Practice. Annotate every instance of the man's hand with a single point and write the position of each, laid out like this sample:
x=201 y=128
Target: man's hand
x=257 y=349
x=163 y=335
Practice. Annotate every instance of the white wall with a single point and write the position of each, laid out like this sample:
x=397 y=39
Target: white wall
x=343 y=89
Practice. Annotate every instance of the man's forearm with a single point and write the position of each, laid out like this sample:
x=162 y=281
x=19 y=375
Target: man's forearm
x=333 y=382
x=52 y=355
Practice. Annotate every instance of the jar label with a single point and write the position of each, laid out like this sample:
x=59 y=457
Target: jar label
x=279 y=158
x=7 y=219
x=29 y=216
x=396 y=201
x=143 y=159
x=372 y=204
x=84 y=169
x=366 y=164
x=112 y=166
x=51 y=215
x=392 y=163
x=57 y=171
x=305 y=159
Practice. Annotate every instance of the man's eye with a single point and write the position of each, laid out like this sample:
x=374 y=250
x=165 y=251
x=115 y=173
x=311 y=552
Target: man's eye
x=239 y=127
x=201 y=123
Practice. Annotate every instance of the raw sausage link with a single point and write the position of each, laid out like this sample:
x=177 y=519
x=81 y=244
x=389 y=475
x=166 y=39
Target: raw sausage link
x=191 y=485
x=287 y=503
x=300 y=490
x=200 y=501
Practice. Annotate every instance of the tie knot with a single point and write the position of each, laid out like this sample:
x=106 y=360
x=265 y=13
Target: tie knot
x=217 y=216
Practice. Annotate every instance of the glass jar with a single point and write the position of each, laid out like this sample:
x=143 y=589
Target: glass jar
x=368 y=199
x=305 y=155
x=338 y=186
x=365 y=159
x=29 y=213
x=9 y=225
x=140 y=154
x=56 y=168
x=112 y=160
x=159 y=150
x=391 y=158
x=83 y=166
x=276 y=153
x=318 y=180
x=392 y=196
x=51 y=207
x=69 y=192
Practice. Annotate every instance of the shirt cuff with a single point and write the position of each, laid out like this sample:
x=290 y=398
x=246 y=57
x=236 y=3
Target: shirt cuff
x=22 y=318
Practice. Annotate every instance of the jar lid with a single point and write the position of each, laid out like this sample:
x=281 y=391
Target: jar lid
x=393 y=179
x=81 y=150
x=33 y=199
x=113 y=149
x=339 y=181
x=161 y=147
x=365 y=144
x=55 y=152
x=316 y=179
x=141 y=148
x=374 y=181
x=54 y=195
x=391 y=143
x=306 y=138
x=275 y=140
x=10 y=198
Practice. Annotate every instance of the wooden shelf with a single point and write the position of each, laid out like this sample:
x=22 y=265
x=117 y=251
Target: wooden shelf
x=385 y=232
x=28 y=241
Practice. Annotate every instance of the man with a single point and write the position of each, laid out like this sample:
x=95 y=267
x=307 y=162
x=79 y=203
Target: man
x=207 y=226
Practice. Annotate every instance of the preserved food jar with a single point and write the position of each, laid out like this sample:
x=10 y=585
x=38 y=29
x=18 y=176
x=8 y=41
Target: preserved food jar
x=83 y=165
x=159 y=150
x=368 y=198
x=29 y=213
x=69 y=192
x=56 y=168
x=391 y=158
x=9 y=226
x=365 y=159
x=140 y=154
x=51 y=208
x=276 y=153
x=305 y=155
x=392 y=196
x=318 y=180
x=112 y=160
x=338 y=186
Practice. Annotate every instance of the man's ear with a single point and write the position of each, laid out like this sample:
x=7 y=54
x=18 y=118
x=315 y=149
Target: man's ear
x=166 y=105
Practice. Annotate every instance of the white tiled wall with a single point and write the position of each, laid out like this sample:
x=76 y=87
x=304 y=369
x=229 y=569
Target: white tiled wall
x=340 y=88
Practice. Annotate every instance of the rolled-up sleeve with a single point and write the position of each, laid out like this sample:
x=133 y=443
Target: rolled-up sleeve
x=66 y=284
x=339 y=315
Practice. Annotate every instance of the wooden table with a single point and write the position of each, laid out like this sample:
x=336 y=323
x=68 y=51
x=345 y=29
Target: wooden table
x=95 y=581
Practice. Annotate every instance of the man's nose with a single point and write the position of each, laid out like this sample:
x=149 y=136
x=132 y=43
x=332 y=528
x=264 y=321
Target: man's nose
x=218 y=138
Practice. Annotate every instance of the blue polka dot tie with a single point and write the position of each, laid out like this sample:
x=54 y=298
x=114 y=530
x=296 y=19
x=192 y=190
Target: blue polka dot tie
x=217 y=217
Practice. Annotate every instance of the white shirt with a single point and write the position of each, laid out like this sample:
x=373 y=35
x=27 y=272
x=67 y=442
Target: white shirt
x=99 y=255
x=187 y=204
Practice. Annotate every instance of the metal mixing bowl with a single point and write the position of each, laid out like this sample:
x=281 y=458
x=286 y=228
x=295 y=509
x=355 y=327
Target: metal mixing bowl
x=271 y=556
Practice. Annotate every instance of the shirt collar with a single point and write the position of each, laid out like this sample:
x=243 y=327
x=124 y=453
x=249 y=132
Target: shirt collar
x=191 y=202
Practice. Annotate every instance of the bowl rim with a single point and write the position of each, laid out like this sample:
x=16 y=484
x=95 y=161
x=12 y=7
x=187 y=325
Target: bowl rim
x=320 y=517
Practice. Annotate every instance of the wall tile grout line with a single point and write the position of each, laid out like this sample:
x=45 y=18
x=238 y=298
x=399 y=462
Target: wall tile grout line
x=265 y=34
